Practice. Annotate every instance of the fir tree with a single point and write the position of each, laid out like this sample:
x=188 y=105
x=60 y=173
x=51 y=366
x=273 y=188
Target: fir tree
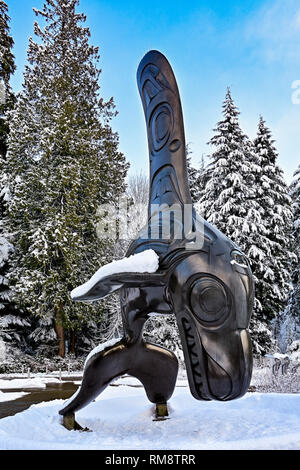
x=289 y=328
x=63 y=162
x=273 y=276
x=202 y=177
x=227 y=189
x=163 y=330
x=193 y=175
x=196 y=177
x=257 y=246
x=12 y=322
x=230 y=203
x=7 y=68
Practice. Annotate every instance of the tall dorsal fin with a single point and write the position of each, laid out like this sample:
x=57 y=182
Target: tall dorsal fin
x=166 y=140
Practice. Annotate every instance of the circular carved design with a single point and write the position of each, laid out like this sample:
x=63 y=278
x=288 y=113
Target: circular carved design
x=209 y=301
x=161 y=126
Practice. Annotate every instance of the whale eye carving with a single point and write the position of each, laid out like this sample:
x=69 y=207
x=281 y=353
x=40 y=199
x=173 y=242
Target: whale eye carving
x=209 y=301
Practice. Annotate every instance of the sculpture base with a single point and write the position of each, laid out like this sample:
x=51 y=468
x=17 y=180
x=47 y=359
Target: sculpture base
x=161 y=412
x=71 y=424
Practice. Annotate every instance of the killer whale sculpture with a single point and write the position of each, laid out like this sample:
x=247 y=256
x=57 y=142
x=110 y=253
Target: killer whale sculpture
x=208 y=285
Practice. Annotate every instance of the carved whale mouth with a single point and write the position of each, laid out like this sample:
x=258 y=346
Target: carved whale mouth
x=209 y=378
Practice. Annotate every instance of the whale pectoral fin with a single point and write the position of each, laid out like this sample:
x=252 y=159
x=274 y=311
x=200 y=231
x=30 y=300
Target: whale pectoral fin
x=137 y=270
x=114 y=282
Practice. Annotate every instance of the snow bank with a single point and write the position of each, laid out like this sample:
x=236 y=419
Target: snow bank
x=37 y=382
x=122 y=418
x=145 y=262
x=4 y=397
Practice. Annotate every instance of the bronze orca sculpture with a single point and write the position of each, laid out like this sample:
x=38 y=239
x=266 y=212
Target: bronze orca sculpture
x=203 y=277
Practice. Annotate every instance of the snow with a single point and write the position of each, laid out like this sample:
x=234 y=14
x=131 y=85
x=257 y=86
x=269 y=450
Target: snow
x=37 y=382
x=238 y=264
x=122 y=418
x=101 y=347
x=144 y=262
x=10 y=396
x=277 y=356
x=5 y=249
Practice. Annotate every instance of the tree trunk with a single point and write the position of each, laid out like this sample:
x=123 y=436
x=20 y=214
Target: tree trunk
x=72 y=342
x=60 y=332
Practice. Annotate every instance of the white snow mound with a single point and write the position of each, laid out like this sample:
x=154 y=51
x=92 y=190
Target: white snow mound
x=36 y=382
x=7 y=396
x=122 y=418
x=144 y=262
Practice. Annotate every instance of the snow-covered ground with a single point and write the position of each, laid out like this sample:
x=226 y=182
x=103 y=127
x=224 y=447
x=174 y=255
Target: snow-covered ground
x=10 y=396
x=122 y=418
x=35 y=382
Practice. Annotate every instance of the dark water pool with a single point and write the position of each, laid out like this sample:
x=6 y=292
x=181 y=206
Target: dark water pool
x=53 y=391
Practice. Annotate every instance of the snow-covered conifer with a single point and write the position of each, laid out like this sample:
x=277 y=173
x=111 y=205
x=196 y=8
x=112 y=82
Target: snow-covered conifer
x=196 y=176
x=193 y=176
x=289 y=327
x=231 y=202
x=227 y=189
x=274 y=273
x=12 y=322
x=63 y=161
x=7 y=68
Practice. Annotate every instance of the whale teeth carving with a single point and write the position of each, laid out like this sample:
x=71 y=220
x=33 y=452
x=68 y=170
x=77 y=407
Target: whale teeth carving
x=190 y=341
x=194 y=359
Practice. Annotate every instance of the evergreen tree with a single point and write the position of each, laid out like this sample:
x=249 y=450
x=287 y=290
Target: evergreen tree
x=197 y=177
x=257 y=246
x=163 y=330
x=227 y=190
x=193 y=175
x=289 y=328
x=202 y=176
x=273 y=279
x=7 y=68
x=231 y=203
x=12 y=323
x=63 y=161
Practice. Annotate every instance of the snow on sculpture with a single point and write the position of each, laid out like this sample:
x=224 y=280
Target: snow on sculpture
x=198 y=274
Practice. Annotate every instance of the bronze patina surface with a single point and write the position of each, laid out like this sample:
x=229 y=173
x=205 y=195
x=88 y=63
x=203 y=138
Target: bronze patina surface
x=203 y=278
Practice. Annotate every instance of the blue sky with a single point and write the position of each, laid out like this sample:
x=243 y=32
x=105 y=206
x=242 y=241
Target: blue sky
x=251 y=46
